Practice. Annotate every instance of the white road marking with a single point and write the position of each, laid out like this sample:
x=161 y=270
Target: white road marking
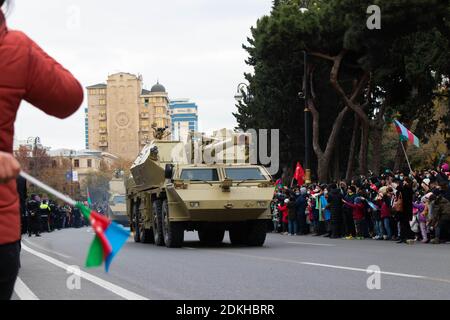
x=23 y=292
x=313 y=244
x=404 y=275
x=47 y=250
x=187 y=248
x=124 y=293
x=313 y=264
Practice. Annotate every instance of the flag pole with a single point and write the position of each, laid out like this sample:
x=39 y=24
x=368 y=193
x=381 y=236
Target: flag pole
x=48 y=189
x=406 y=156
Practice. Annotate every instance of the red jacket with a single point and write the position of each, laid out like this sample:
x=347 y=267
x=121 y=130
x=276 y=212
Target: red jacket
x=27 y=73
x=357 y=210
x=284 y=213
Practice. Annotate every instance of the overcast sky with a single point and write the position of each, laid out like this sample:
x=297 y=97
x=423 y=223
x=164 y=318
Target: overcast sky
x=194 y=48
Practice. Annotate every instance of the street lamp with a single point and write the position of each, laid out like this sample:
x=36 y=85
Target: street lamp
x=305 y=96
x=71 y=154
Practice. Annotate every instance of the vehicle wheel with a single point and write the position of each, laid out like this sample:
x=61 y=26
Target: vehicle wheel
x=257 y=232
x=173 y=231
x=157 y=223
x=238 y=233
x=212 y=236
x=137 y=228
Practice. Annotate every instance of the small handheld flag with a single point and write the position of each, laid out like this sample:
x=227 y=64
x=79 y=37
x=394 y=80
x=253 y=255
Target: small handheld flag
x=373 y=206
x=406 y=135
x=109 y=236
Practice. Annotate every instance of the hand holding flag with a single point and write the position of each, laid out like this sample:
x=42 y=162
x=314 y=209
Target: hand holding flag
x=109 y=236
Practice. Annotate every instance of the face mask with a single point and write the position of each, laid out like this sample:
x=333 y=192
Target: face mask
x=297 y=194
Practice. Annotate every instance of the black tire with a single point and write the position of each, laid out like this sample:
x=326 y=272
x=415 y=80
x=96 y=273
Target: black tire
x=157 y=223
x=256 y=233
x=173 y=231
x=238 y=234
x=137 y=228
x=211 y=236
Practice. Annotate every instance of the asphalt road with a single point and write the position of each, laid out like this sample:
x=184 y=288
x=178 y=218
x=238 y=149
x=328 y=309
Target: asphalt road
x=292 y=268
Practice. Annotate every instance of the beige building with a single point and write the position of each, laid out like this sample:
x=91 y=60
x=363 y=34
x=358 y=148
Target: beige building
x=121 y=113
x=84 y=162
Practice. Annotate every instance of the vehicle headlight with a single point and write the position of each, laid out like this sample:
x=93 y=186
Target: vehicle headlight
x=195 y=204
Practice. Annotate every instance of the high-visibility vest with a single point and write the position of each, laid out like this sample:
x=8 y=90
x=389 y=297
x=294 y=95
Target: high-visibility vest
x=44 y=206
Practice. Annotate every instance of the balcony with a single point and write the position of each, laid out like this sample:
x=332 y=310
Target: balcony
x=103 y=143
x=145 y=115
x=145 y=129
x=103 y=130
x=103 y=117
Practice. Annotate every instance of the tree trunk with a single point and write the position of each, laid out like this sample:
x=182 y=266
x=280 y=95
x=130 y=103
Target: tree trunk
x=398 y=157
x=377 y=143
x=336 y=167
x=323 y=169
x=352 y=153
x=363 y=149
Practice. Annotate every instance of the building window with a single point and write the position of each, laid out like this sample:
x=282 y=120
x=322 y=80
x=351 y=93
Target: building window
x=102 y=102
x=146 y=102
x=159 y=110
x=94 y=91
x=89 y=163
x=76 y=163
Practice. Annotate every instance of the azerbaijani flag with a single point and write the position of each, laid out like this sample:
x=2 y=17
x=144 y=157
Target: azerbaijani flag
x=109 y=238
x=373 y=206
x=406 y=135
x=279 y=184
x=89 y=199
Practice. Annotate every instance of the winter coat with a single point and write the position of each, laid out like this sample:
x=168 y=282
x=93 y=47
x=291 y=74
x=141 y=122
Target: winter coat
x=385 y=205
x=292 y=213
x=441 y=210
x=358 y=211
x=27 y=73
x=300 y=205
x=335 y=206
x=284 y=212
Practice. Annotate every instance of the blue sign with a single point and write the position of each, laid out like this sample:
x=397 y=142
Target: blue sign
x=69 y=176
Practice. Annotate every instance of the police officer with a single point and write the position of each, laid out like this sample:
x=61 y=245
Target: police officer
x=54 y=215
x=45 y=214
x=34 y=217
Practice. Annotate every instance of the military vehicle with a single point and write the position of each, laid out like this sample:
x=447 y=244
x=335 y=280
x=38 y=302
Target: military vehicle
x=167 y=195
x=117 y=210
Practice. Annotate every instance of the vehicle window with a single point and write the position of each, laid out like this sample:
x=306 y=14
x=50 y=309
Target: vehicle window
x=200 y=175
x=244 y=174
x=119 y=199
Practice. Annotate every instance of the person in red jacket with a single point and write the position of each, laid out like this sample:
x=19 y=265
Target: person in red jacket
x=358 y=216
x=284 y=216
x=26 y=73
